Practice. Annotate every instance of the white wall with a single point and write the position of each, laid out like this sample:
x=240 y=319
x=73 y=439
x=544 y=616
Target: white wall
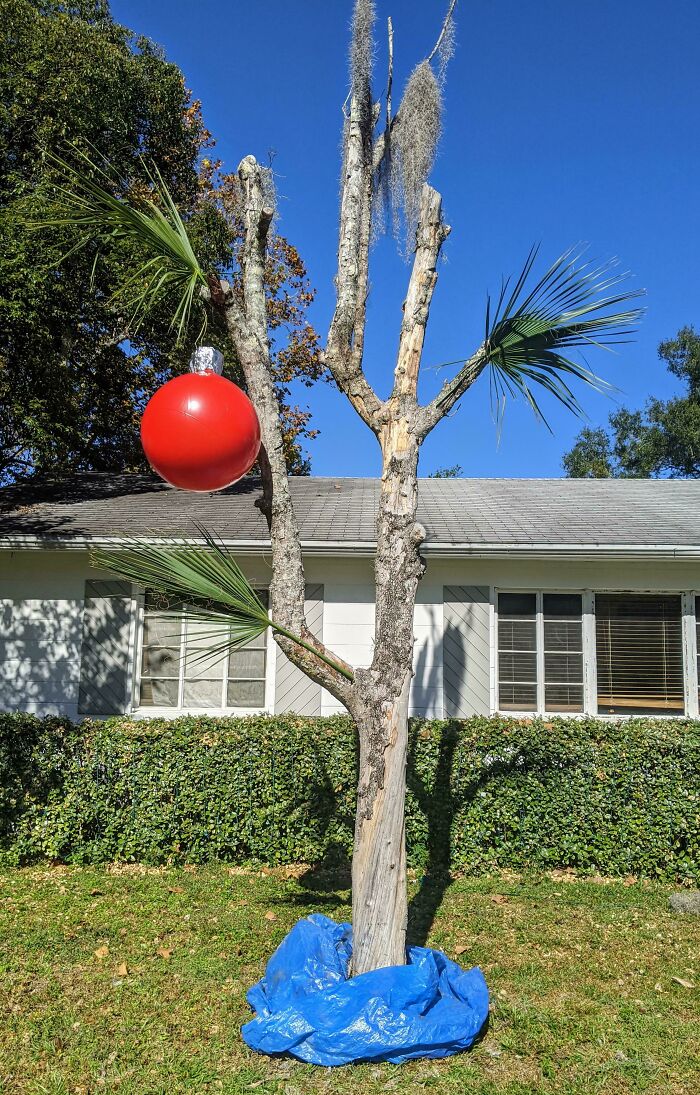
x=41 y=595
x=41 y=605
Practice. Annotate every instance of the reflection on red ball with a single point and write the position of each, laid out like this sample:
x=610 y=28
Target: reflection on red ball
x=200 y=432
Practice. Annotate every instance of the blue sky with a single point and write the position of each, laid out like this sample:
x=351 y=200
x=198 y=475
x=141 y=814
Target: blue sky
x=565 y=121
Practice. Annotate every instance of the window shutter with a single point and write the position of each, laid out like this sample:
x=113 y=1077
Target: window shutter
x=104 y=659
x=294 y=691
x=465 y=651
x=639 y=654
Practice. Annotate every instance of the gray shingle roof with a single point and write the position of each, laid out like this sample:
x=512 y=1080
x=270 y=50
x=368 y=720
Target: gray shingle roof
x=457 y=512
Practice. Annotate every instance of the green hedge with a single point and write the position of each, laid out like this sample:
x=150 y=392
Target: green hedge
x=615 y=798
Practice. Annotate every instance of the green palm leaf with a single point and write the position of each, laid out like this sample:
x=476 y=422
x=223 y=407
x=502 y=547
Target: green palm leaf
x=211 y=586
x=531 y=332
x=85 y=202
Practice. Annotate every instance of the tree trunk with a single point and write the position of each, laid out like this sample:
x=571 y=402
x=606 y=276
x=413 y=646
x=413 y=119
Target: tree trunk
x=380 y=711
x=379 y=901
x=376 y=696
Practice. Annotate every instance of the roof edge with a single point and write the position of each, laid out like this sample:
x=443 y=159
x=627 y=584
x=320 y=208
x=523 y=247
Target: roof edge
x=367 y=548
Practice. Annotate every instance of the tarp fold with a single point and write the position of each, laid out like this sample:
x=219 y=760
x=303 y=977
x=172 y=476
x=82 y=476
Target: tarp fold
x=306 y=1005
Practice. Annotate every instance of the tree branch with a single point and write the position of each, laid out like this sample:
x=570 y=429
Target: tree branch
x=345 y=343
x=247 y=325
x=381 y=143
x=430 y=236
x=451 y=392
x=443 y=31
x=390 y=69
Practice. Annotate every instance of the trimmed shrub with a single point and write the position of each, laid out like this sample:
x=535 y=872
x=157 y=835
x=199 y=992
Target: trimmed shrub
x=614 y=798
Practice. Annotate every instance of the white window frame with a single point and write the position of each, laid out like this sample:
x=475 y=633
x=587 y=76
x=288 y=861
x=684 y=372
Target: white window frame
x=689 y=671
x=690 y=654
x=539 y=650
x=153 y=711
x=590 y=668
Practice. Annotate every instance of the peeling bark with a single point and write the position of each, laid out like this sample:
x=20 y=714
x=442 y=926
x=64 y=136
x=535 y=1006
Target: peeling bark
x=378 y=696
x=379 y=900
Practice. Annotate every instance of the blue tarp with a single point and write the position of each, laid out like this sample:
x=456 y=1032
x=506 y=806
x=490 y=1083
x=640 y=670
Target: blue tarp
x=307 y=1006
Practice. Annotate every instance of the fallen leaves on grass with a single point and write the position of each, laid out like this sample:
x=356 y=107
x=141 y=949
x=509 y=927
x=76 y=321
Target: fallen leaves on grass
x=101 y=952
x=165 y=952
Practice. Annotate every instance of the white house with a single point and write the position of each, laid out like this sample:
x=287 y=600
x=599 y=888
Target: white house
x=550 y=595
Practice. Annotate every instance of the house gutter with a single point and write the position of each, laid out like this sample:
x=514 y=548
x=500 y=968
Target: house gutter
x=366 y=548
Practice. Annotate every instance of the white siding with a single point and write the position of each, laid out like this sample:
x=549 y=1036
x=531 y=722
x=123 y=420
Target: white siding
x=348 y=628
x=348 y=621
x=426 y=687
x=41 y=607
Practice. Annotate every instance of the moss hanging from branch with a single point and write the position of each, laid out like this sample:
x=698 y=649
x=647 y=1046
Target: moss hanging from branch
x=446 y=45
x=361 y=57
x=414 y=141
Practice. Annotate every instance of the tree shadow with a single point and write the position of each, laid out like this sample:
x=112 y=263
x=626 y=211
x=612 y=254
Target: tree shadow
x=436 y=801
x=438 y=805
x=327 y=882
x=89 y=504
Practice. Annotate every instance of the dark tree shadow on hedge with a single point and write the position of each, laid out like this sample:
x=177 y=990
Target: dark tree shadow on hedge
x=439 y=805
x=325 y=883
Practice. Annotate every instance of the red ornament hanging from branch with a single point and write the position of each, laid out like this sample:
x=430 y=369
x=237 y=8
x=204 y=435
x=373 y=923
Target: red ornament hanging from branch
x=199 y=431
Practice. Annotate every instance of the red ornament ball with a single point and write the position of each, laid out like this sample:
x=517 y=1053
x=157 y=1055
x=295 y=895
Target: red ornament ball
x=200 y=432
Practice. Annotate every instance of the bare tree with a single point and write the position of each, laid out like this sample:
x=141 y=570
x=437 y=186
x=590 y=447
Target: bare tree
x=386 y=160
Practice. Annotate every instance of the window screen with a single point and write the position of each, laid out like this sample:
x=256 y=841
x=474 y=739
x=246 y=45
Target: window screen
x=563 y=651
x=549 y=625
x=175 y=674
x=639 y=647
x=517 y=651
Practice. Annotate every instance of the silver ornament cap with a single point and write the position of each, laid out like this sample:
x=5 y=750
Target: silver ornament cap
x=207 y=359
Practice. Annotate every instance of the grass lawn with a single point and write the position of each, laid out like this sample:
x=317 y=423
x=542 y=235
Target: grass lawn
x=134 y=980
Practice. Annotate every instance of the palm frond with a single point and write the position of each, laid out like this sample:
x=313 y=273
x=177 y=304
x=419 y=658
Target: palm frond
x=85 y=202
x=208 y=583
x=531 y=331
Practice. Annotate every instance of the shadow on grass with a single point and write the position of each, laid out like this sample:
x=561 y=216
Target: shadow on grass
x=326 y=883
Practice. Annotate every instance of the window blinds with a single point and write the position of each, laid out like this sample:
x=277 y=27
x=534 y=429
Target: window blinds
x=639 y=646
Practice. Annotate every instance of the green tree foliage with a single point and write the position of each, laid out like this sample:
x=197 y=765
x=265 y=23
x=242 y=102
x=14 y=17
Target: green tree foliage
x=452 y=472
x=75 y=372
x=661 y=440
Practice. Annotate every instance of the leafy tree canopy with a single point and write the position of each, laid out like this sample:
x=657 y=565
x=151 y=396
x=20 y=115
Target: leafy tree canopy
x=661 y=440
x=75 y=369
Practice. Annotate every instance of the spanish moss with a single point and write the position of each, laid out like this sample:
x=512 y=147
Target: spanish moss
x=361 y=57
x=446 y=47
x=414 y=141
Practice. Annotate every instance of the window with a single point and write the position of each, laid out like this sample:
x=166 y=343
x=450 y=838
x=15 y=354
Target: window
x=697 y=641
x=639 y=648
x=563 y=651
x=540 y=652
x=517 y=651
x=173 y=674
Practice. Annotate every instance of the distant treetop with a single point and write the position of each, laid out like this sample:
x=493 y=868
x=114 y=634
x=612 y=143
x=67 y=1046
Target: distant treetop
x=663 y=439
